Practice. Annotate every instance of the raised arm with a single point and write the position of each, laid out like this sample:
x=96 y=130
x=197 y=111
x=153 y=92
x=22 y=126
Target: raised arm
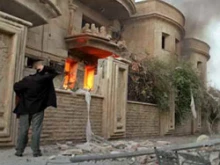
x=50 y=70
x=48 y=74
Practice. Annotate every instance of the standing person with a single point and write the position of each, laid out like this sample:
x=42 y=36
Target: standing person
x=36 y=93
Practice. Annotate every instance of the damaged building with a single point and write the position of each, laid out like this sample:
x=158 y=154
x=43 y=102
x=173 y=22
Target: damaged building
x=86 y=41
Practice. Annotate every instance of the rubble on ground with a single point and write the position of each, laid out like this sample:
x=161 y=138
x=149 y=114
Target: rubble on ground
x=202 y=138
x=117 y=147
x=112 y=147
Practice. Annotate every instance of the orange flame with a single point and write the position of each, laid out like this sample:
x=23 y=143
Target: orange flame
x=70 y=73
x=89 y=77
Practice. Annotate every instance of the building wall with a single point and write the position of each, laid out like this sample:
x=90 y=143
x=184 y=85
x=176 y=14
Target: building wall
x=196 y=51
x=68 y=121
x=83 y=10
x=161 y=7
x=202 y=71
x=143 y=31
x=171 y=47
x=184 y=129
x=142 y=120
x=144 y=37
x=48 y=40
x=139 y=37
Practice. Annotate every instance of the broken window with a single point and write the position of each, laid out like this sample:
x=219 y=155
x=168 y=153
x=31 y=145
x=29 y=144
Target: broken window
x=70 y=73
x=164 y=41
x=89 y=77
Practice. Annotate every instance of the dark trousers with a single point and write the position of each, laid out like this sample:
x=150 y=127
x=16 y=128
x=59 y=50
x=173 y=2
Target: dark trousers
x=24 y=124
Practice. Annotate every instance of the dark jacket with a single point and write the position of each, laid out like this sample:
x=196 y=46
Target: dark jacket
x=36 y=92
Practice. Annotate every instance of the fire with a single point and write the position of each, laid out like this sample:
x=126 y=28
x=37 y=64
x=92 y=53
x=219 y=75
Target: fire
x=70 y=78
x=89 y=77
x=70 y=73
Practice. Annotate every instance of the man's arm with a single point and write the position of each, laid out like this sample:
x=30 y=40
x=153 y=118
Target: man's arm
x=50 y=70
x=49 y=74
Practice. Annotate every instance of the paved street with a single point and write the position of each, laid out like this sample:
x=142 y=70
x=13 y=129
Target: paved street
x=7 y=158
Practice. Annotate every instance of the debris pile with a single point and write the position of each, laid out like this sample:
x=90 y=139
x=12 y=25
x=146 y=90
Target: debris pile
x=101 y=146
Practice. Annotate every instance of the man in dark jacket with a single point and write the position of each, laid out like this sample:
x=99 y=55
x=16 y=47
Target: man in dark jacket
x=36 y=93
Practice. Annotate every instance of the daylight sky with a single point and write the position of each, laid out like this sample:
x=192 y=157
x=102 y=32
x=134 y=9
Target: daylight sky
x=203 y=22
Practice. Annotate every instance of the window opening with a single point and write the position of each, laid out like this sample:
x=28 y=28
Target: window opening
x=59 y=67
x=29 y=61
x=90 y=71
x=177 y=46
x=70 y=73
x=164 y=40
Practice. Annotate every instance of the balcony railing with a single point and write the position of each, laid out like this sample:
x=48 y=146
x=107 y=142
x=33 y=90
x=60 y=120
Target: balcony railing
x=94 y=43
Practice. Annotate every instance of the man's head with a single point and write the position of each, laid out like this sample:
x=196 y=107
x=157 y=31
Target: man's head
x=38 y=64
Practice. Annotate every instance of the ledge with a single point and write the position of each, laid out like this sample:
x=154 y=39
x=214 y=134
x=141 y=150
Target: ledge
x=164 y=8
x=141 y=103
x=165 y=4
x=198 y=46
x=122 y=8
x=15 y=19
x=75 y=94
x=159 y=9
x=159 y=16
x=37 y=12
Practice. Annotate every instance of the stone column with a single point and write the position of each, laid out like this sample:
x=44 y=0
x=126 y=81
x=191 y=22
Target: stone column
x=72 y=9
x=13 y=33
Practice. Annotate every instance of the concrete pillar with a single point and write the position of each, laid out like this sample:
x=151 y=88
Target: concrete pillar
x=114 y=89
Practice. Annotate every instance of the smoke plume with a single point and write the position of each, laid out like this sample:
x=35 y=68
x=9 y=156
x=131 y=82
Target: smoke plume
x=203 y=22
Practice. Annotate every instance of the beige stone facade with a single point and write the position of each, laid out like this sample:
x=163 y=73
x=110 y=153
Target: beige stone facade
x=197 y=52
x=54 y=30
x=155 y=30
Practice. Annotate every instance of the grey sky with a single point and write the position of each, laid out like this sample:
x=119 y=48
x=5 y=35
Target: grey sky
x=203 y=22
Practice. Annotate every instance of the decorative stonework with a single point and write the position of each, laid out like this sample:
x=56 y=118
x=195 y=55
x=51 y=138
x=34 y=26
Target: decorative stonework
x=96 y=31
x=12 y=46
x=4 y=71
x=72 y=10
x=104 y=33
x=4 y=47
